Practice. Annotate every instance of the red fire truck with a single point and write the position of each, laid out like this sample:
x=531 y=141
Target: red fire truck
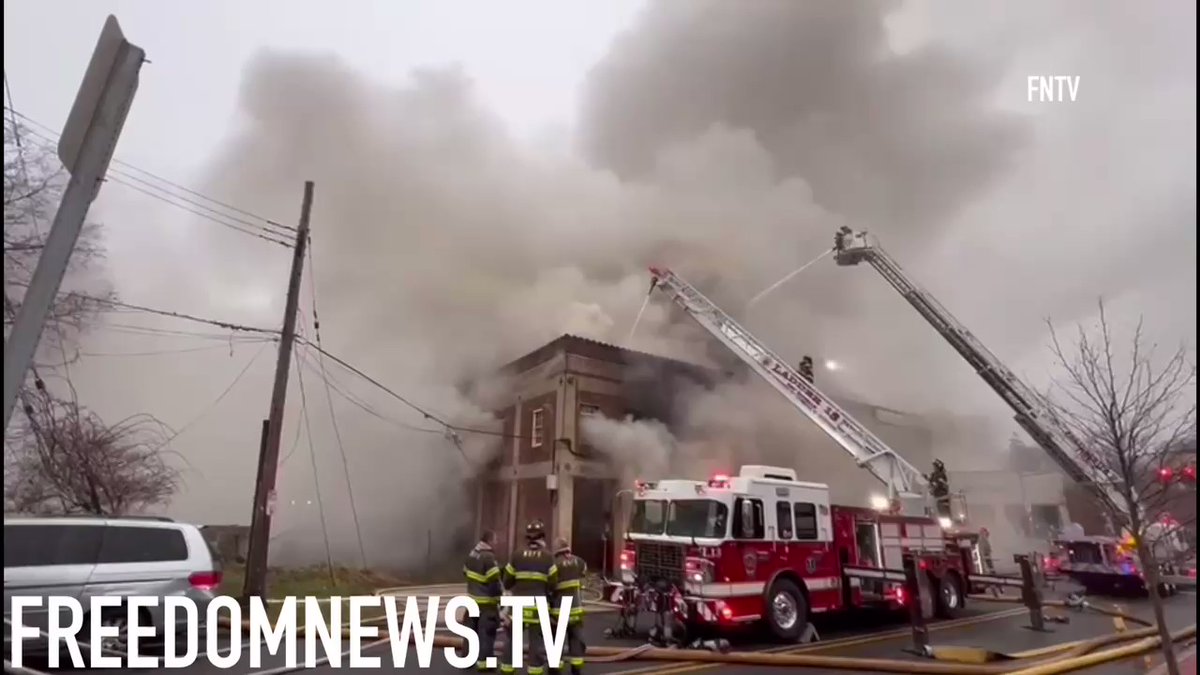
x=763 y=546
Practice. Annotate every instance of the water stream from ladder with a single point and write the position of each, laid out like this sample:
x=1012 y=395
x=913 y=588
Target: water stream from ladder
x=762 y=294
x=636 y=321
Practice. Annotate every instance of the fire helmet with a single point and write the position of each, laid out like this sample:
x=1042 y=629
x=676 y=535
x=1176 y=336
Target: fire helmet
x=535 y=530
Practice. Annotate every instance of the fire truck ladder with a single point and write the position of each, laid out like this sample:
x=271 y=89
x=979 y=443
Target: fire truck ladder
x=903 y=480
x=1032 y=413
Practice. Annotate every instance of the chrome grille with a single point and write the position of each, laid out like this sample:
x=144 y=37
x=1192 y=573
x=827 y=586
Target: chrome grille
x=659 y=561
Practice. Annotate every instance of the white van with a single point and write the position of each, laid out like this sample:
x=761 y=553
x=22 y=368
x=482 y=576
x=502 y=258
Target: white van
x=85 y=557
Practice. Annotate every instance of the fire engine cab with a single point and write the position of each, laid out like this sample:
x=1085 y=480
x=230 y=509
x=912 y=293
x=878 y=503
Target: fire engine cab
x=764 y=546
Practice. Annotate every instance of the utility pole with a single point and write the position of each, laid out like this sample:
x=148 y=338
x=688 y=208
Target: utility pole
x=268 y=459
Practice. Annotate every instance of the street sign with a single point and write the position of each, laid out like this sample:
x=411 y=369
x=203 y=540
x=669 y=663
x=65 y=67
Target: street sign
x=112 y=73
x=85 y=148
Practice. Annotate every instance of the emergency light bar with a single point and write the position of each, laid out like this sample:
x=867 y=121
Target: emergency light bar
x=719 y=480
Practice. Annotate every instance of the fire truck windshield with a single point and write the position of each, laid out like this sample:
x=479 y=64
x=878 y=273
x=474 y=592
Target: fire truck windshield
x=649 y=516
x=696 y=518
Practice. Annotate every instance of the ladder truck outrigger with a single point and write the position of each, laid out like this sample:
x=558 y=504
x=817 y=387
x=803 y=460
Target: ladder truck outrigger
x=1097 y=562
x=765 y=546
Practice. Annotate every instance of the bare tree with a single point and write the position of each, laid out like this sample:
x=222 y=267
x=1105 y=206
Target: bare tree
x=68 y=461
x=1132 y=411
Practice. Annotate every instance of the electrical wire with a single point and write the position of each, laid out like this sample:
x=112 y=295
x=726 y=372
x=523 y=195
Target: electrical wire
x=312 y=284
x=186 y=350
x=262 y=231
x=354 y=400
x=220 y=397
x=118 y=181
x=312 y=455
x=424 y=413
x=288 y=229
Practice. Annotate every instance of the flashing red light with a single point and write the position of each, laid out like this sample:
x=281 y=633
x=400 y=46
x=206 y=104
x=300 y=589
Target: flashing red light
x=719 y=480
x=901 y=596
x=726 y=613
x=923 y=564
x=1189 y=473
x=1165 y=473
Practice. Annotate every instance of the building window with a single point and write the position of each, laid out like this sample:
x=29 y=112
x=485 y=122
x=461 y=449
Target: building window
x=588 y=410
x=537 y=427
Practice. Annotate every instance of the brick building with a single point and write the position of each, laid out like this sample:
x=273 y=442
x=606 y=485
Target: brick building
x=545 y=469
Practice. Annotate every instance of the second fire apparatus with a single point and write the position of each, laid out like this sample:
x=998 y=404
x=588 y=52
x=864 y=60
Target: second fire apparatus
x=766 y=546
x=1092 y=567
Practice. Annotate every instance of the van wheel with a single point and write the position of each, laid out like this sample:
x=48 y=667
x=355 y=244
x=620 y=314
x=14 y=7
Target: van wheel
x=787 y=611
x=949 y=596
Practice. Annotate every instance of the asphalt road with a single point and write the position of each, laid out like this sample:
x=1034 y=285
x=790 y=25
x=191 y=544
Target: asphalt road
x=994 y=626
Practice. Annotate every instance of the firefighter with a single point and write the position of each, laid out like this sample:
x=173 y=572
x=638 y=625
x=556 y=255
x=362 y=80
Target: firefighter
x=939 y=486
x=530 y=573
x=483 y=585
x=806 y=368
x=571 y=572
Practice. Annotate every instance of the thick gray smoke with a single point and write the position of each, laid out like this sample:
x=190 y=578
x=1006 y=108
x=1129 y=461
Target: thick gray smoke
x=727 y=140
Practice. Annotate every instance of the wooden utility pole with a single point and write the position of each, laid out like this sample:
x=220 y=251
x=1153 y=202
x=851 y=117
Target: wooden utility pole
x=268 y=460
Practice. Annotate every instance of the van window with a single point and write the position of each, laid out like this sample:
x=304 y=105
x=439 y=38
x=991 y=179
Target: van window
x=806 y=521
x=142 y=544
x=748 y=523
x=783 y=516
x=43 y=545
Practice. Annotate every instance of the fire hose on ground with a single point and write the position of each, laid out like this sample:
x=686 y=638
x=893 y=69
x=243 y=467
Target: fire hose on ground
x=1044 y=662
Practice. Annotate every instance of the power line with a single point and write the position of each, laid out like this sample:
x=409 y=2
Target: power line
x=148 y=331
x=290 y=229
x=220 y=397
x=174 y=351
x=164 y=195
x=424 y=413
x=180 y=315
x=312 y=274
x=194 y=212
x=157 y=192
x=312 y=455
x=354 y=400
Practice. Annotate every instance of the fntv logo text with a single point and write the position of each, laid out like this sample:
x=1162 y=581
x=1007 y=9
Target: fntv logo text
x=1052 y=88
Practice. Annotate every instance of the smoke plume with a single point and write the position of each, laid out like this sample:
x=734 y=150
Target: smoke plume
x=726 y=140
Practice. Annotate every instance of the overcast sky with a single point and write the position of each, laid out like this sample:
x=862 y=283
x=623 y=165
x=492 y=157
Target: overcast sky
x=465 y=214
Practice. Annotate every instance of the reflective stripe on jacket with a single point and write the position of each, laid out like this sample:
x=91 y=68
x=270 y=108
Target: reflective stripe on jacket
x=483 y=575
x=571 y=572
x=531 y=573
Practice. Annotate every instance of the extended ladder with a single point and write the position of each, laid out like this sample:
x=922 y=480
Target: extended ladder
x=902 y=479
x=1032 y=413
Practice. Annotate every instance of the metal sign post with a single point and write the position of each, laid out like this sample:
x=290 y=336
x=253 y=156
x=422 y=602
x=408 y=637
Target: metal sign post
x=85 y=148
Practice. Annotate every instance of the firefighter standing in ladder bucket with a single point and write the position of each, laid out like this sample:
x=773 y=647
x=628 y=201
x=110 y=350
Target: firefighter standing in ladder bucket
x=530 y=573
x=571 y=572
x=483 y=585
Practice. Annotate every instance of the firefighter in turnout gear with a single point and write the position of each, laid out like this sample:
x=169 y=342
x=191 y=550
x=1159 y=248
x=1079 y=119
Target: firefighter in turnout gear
x=530 y=573
x=484 y=586
x=939 y=486
x=571 y=572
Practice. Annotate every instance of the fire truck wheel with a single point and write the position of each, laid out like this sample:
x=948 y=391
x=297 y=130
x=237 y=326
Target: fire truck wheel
x=949 y=596
x=787 y=610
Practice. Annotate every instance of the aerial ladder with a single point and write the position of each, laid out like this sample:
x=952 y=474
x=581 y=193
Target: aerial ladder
x=906 y=486
x=1033 y=414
